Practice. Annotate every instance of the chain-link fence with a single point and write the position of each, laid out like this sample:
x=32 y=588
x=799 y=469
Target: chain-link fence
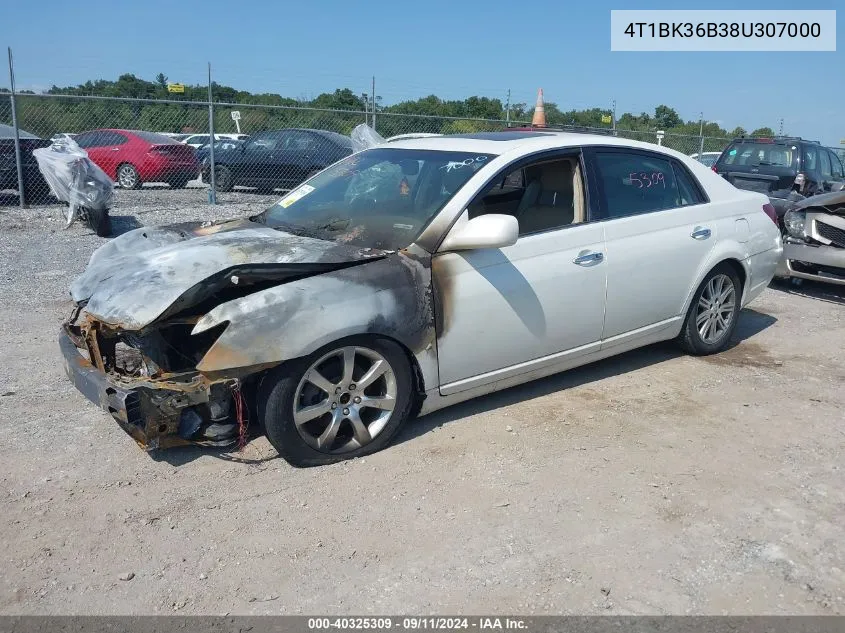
x=164 y=144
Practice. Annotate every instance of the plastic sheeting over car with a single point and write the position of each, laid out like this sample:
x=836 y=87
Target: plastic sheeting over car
x=73 y=177
x=365 y=137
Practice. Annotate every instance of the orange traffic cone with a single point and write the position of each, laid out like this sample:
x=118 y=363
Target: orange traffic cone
x=539 y=118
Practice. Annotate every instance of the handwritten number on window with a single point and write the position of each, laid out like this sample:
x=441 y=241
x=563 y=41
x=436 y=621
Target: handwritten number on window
x=643 y=180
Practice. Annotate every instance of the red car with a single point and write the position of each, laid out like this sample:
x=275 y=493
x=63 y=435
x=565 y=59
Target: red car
x=133 y=157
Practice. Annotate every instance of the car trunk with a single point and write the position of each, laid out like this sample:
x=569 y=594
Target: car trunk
x=175 y=151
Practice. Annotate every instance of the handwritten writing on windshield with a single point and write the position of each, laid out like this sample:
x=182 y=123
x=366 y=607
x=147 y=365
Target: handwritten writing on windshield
x=644 y=180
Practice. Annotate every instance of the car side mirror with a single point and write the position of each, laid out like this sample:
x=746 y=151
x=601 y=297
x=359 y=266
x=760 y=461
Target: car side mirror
x=486 y=231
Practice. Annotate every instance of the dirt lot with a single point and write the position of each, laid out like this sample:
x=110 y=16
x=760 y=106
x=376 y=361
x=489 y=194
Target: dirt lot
x=649 y=483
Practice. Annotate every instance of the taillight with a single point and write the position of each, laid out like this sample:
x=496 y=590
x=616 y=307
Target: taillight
x=769 y=210
x=714 y=169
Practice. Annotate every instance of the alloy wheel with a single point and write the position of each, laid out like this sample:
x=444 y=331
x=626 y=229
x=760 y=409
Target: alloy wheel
x=127 y=177
x=716 y=307
x=344 y=399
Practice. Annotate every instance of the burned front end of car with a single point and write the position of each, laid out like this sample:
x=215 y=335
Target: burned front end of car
x=814 y=239
x=148 y=382
x=175 y=327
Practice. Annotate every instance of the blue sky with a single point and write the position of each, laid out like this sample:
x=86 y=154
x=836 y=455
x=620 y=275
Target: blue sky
x=450 y=48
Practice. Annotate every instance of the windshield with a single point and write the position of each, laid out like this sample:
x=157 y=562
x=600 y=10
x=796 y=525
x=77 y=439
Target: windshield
x=759 y=154
x=378 y=198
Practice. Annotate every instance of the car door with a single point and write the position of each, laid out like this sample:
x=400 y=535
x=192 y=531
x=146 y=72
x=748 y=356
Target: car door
x=505 y=311
x=112 y=149
x=253 y=164
x=291 y=158
x=95 y=144
x=658 y=231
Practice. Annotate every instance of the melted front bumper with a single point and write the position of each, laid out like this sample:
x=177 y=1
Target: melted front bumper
x=150 y=413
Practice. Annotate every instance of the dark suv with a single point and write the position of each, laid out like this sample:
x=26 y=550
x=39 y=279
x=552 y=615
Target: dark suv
x=767 y=165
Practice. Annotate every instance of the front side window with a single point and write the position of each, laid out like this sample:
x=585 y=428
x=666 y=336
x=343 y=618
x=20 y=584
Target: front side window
x=542 y=196
x=633 y=184
x=264 y=142
x=378 y=198
x=836 y=166
x=300 y=141
x=810 y=158
x=97 y=138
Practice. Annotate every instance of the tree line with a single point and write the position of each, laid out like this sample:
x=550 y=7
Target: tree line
x=340 y=111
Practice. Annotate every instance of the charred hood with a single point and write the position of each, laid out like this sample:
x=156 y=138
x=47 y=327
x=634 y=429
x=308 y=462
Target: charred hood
x=150 y=274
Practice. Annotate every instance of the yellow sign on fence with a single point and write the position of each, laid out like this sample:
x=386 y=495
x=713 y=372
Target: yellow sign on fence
x=606 y=118
x=175 y=87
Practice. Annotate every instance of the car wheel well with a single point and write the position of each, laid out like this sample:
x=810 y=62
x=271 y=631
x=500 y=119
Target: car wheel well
x=416 y=371
x=738 y=268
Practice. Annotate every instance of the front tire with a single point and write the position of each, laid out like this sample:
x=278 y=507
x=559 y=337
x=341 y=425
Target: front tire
x=713 y=313
x=223 y=179
x=346 y=400
x=128 y=177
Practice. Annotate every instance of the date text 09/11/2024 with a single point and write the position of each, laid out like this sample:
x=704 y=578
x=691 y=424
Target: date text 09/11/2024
x=416 y=623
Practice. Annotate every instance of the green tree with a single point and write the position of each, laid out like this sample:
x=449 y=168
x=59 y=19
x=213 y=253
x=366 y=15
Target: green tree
x=763 y=131
x=666 y=117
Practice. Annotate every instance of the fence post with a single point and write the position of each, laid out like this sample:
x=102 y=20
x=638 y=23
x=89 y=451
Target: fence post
x=21 y=194
x=212 y=176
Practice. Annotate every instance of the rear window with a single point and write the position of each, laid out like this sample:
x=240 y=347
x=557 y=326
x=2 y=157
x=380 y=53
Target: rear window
x=759 y=155
x=153 y=137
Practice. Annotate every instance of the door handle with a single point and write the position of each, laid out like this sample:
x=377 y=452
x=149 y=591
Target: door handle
x=700 y=233
x=115 y=149
x=585 y=259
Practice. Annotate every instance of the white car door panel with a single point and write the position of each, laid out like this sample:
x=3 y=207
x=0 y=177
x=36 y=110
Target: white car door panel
x=652 y=262
x=497 y=308
x=659 y=230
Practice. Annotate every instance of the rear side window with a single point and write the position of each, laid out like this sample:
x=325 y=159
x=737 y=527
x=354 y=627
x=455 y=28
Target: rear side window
x=759 y=154
x=637 y=183
x=811 y=161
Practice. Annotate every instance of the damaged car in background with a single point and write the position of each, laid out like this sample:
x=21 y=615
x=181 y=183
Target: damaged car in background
x=814 y=239
x=408 y=277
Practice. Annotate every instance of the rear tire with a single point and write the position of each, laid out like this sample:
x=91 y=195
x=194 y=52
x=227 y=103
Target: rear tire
x=128 y=177
x=358 y=428
x=713 y=313
x=223 y=179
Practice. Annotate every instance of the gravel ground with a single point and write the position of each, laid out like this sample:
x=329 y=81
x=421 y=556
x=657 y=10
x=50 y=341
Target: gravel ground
x=651 y=483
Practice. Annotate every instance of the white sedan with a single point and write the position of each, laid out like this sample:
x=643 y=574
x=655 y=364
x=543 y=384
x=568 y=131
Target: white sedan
x=411 y=276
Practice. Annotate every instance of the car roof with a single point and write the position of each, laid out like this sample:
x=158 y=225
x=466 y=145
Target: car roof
x=525 y=142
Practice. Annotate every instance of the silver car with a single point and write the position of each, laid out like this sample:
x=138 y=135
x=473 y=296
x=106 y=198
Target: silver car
x=814 y=245
x=409 y=277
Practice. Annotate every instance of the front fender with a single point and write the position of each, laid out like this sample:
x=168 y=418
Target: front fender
x=389 y=297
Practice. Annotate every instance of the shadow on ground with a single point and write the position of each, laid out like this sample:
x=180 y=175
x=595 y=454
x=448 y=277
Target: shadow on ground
x=750 y=323
x=121 y=224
